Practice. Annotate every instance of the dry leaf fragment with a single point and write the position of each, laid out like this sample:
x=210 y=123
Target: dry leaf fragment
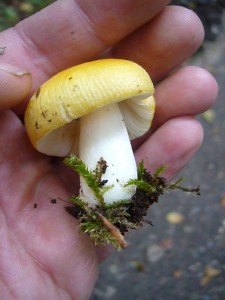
x=174 y=218
x=209 y=273
x=222 y=202
x=209 y=116
x=177 y=274
x=139 y=266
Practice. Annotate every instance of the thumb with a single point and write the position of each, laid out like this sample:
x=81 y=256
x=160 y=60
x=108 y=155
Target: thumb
x=15 y=86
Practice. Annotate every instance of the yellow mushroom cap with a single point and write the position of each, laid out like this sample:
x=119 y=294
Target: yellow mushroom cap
x=54 y=110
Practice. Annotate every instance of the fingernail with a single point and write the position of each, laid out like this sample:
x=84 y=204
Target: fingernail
x=12 y=70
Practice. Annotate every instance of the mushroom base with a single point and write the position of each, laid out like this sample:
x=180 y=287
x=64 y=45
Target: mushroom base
x=108 y=223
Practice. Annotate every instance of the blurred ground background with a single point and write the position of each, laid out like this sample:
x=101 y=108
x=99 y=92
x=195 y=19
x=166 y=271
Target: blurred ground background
x=183 y=255
x=12 y=11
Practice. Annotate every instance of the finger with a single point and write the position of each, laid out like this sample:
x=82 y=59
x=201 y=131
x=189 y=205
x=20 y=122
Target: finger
x=188 y=91
x=15 y=85
x=164 y=42
x=172 y=145
x=70 y=32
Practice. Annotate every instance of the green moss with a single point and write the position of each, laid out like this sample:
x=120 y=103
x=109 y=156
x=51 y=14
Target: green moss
x=108 y=223
x=91 y=178
x=11 y=12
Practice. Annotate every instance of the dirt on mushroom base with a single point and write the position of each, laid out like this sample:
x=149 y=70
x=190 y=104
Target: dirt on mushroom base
x=108 y=223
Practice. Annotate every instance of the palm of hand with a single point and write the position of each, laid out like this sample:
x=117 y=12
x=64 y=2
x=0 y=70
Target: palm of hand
x=41 y=247
x=42 y=254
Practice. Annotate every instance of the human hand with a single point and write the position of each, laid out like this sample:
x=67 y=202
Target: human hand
x=42 y=254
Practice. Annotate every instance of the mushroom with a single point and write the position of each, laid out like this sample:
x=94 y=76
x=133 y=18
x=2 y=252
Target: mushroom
x=93 y=110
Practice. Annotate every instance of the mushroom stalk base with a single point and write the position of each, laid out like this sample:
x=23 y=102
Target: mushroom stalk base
x=103 y=134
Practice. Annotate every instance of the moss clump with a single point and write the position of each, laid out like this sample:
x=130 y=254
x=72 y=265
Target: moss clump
x=108 y=223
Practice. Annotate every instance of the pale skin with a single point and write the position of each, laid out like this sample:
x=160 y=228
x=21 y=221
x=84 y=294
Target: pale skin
x=42 y=254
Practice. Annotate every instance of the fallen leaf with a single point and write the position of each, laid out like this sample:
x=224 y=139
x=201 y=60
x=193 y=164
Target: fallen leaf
x=209 y=116
x=177 y=274
x=26 y=7
x=209 y=273
x=174 y=218
x=222 y=201
x=138 y=265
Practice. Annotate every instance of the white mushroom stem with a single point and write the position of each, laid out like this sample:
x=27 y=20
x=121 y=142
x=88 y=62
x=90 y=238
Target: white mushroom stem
x=103 y=134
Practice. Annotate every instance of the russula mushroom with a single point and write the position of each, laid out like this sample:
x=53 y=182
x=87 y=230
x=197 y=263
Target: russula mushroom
x=99 y=106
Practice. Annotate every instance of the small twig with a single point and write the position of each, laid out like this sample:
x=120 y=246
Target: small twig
x=114 y=231
x=184 y=189
x=147 y=222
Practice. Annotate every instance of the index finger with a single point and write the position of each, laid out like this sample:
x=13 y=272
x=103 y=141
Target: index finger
x=70 y=32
